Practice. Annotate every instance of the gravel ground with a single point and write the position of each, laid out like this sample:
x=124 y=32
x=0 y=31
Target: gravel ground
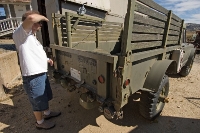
x=180 y=115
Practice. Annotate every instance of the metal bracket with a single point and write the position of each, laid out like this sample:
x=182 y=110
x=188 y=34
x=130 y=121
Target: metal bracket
x=75 y=24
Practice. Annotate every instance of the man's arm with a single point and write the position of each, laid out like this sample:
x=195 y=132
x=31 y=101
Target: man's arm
x=31 y=19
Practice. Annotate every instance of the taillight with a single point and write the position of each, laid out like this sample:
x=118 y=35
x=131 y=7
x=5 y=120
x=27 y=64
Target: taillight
x=101 y=79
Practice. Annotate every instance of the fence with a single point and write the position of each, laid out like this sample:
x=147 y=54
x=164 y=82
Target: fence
x=7 y=26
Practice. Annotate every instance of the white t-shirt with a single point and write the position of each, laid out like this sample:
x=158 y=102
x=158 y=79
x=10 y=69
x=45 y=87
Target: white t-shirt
x=33 y=59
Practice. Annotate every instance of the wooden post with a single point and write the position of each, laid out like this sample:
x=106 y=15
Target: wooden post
x=166 y=32
x=68 y=28
x=97 y=38
x=128 y=27
x=181 y=31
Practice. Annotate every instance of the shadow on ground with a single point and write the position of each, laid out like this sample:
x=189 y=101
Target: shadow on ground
x=74 y=118
x=19 y=118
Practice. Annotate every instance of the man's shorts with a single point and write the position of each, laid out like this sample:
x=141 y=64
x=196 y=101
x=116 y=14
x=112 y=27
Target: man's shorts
x=38 y=90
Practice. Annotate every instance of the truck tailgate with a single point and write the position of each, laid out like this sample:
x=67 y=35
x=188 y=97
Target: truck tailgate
x=85 y=66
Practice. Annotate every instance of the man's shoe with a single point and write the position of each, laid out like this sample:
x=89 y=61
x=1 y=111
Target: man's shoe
x=51 y=115
x=45 y=125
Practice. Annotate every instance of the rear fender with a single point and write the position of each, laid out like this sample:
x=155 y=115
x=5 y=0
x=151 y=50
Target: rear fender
x=156 y=74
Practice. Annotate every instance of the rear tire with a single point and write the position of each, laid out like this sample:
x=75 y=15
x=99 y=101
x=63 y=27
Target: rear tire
x=185 y=70
x=150 y=105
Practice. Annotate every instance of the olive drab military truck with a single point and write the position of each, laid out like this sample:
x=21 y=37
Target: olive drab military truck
x=110 y=60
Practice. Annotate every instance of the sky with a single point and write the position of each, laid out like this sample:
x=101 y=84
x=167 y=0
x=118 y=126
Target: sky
x=189 y=10
x=2 y=13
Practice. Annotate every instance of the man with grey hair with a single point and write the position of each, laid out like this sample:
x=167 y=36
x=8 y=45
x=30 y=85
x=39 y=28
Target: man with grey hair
x=34 y=63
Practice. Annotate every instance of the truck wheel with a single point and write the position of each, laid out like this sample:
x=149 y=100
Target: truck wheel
x=185 y=70
x=152 y=103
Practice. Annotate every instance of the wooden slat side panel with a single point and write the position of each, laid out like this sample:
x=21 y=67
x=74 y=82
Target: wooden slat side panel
x=143 y=45
x=81 y=39
x=172 y=32
x=172 y=43
x=147 y=29
x=148 y=21
x=173 y=38
x=105 y=34
x=147 y=11
x=84 y=33
x=154 y=5
x=174 y=28
x=103 y=45
x=90 y=28
x=175 y=23
x=176 y=18
x=147 y=37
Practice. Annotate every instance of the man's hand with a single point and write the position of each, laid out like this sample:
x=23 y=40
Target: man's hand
x=50 y=61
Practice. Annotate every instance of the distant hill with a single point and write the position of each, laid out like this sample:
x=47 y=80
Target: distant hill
x=192 y=27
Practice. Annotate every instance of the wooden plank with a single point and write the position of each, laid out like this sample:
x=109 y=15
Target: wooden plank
x=97 y=56
x=172 y=27
x=151 y=53
x=171 y=38
x=109 y=35
x=111 y=27
x=175 y=23
x=83 y=27
x=172 y=32
x=81 y=32
x=147 y=29
x=112 y=23
x=148 y=21
x=80 y=27
x=154 y=5
x=83 y=35
x=107 y=29
x=102 y=33
x=80 y=39
x=176 y=18
x=147 y=37
x=106 y=46
x=147 y=11
x=109 y=38
x=89 y=46
x=142 y=45
x=94 y=35
x=110 y=32
x=172 y=43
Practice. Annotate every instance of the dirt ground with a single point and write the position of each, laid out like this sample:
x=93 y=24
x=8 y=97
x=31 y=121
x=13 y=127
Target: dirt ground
x=180 y=115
